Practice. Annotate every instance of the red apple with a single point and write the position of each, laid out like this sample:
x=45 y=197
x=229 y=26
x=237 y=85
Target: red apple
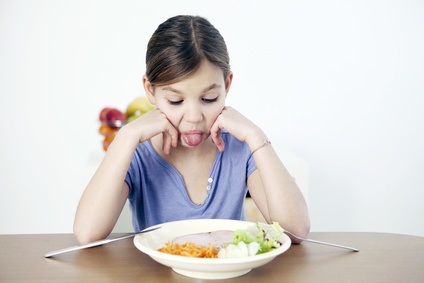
x=115 y=118
x=102 y=116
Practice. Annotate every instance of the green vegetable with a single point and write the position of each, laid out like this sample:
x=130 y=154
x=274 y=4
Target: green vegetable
x=267 y=238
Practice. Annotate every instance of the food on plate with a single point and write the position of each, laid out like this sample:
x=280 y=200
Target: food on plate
x=240 y=250
x=191 y=250
x=204 y=245
x=257 y=239
x=215 y=238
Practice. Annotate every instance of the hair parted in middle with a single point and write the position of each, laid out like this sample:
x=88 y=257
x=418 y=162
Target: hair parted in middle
x=178 y=47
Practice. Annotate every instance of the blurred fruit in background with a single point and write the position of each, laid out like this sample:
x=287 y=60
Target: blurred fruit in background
x=112 y=119
x=115 y=118
x=102 y=116
x=139 y=106
x=108 y=133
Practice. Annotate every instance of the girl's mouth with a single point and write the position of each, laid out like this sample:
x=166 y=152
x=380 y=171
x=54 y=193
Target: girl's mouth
x=192 y=138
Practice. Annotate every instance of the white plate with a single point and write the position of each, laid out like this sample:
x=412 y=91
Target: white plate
x=203 y=268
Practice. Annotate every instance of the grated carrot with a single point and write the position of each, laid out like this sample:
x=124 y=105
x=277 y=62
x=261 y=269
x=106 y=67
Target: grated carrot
x=191 y=250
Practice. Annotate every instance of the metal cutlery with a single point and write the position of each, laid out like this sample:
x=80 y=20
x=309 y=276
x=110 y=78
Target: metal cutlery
x=107 y=241
x=320 y=242
x=95 y=244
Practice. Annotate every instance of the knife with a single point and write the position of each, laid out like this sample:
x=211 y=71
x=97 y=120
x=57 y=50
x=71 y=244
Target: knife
x=95 y=244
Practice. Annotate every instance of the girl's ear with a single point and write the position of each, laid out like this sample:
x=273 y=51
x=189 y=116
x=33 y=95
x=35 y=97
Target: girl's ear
x=228 y=82
x=150 y=90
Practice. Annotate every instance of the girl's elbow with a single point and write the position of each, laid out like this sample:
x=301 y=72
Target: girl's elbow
x=83 y=235
x=82 y=238
x=302 y=231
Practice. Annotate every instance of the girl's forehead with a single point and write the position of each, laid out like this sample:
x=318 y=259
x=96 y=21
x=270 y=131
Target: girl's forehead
x=207 y=77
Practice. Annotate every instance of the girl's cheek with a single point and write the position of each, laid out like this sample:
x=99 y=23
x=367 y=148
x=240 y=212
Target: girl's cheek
x=173 y=118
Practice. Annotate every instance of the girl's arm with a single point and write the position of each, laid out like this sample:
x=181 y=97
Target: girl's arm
x=271 y=186
x=276 y=194
x=106 y=193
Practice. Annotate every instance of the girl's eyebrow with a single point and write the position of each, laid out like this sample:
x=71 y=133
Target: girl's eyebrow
x=171 y=89
x=212 y=86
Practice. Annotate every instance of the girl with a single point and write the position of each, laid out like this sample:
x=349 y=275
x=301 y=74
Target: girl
x=191 y=157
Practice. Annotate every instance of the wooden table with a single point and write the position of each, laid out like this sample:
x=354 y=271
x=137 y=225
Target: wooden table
x=382 y=258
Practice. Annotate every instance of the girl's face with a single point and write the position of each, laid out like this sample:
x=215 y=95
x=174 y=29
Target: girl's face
x=192 y=104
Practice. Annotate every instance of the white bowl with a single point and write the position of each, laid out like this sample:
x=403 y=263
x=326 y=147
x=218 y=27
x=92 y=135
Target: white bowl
x=203 y=268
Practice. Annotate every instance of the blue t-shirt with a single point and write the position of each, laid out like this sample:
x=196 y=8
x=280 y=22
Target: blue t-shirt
x=157 y=191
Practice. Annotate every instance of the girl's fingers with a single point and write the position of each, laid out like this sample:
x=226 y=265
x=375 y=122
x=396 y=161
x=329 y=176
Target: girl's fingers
x=166 y=146
x=170 y=138
x=174 y=139
x=217 y=138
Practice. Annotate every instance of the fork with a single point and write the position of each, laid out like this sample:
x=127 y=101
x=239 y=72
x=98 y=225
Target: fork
x=320 y=242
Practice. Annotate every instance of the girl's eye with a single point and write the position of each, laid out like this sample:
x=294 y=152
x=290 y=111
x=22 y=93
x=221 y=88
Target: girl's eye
x=210 y=100
x=175 y=102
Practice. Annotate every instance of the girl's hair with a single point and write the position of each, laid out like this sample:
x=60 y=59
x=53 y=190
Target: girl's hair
x=178 y=47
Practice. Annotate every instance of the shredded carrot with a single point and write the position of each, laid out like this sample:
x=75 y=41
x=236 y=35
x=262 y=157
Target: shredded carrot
x=191 y=250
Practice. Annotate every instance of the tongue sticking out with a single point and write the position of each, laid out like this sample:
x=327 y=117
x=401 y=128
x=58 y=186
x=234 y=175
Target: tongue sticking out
x=192 y=139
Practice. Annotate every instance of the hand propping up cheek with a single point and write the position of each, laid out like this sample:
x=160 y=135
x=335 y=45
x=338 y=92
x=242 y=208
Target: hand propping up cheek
x=154 y=123
x=236 y=124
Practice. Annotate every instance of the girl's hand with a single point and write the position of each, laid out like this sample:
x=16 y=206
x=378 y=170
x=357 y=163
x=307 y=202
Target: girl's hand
x=239 y=126
x=152 y=124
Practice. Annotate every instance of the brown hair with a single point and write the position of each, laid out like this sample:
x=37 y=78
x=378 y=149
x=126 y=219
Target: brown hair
x=178 y=47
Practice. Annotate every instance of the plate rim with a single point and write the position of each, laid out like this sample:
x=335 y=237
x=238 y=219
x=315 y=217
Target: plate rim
x=207 y=261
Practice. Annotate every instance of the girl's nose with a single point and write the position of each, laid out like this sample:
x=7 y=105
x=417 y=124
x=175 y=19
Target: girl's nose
x=193 y=114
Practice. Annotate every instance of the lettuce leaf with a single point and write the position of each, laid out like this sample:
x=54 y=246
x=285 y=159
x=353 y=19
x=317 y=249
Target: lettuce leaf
x=266 y=236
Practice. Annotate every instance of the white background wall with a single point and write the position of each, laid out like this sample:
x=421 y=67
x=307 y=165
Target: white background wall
x=339 y=83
